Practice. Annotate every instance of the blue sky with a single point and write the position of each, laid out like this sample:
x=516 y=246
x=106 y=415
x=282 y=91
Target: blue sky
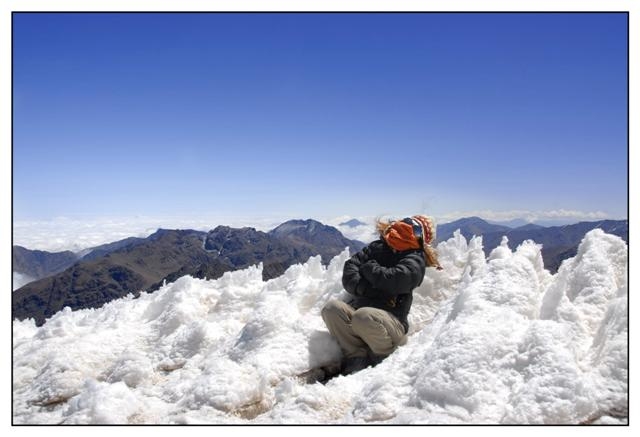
x=318 y=115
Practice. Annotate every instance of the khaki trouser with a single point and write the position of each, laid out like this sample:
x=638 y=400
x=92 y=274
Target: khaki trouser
x=366 y=326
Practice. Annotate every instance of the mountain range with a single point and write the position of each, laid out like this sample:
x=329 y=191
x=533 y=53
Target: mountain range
x=39 y=263
x=558 y=242
x=114 y=270
x=103 y=273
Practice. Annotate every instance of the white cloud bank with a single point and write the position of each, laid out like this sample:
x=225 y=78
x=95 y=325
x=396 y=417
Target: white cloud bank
x=77 y=234
x=527 y=215
x=21 y=279
x=497 y=340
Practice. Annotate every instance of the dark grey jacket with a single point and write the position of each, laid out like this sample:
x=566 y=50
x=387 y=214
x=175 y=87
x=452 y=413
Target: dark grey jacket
x=380 y=277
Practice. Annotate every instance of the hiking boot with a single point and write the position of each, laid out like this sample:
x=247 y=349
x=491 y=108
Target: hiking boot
x=374 y=359
x=354 y=364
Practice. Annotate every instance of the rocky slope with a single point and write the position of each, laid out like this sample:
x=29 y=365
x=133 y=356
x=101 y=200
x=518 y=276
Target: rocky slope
x=169 y=254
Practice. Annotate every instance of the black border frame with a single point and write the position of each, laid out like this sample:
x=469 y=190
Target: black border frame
x=627 y=13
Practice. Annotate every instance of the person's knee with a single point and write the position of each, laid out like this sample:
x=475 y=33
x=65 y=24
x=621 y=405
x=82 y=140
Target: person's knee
x=331 y=309
x=362 y=320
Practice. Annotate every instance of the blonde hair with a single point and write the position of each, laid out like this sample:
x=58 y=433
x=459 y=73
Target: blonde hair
x=383 y=226
x=430 y=254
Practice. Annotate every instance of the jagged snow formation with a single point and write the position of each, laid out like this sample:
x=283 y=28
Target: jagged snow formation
x=495 y=340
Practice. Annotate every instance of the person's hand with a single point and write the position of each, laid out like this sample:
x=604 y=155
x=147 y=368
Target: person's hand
x=368 y=266
x=362 y=287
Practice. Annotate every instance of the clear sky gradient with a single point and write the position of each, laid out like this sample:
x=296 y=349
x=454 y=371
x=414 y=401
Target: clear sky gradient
x=309 y=115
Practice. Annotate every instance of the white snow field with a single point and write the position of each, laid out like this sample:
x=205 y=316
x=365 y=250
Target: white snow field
x=497 y=340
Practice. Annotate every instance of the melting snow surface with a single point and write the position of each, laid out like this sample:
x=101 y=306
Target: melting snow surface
x=496 y=340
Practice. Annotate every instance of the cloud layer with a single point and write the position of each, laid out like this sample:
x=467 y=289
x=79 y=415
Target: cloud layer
x=528 y=215
x=63 y=233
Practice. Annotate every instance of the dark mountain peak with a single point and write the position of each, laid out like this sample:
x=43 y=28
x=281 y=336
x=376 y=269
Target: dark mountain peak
x=159 y=233
x=104 y=249
x=469 y=226
x=232 y=239
x=40 y=263
x=174 y=234
x=353 y=223
x=297 y=226
x=313 y=235
x=42 y=252
x=468 y=221
x=310 y=232
x=229 y=232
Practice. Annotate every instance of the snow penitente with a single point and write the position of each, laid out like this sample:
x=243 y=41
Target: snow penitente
x=494 y=339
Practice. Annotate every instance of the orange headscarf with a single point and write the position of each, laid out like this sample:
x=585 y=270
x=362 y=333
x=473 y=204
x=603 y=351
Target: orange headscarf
x=400 y=236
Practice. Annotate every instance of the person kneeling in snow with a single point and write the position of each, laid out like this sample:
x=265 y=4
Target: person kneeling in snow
x=380 y=279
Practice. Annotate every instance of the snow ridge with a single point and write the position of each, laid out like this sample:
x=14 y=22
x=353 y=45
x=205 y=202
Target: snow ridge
x=496 y=340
